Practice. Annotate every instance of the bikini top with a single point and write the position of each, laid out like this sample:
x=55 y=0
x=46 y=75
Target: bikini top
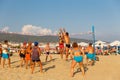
x=74 y=51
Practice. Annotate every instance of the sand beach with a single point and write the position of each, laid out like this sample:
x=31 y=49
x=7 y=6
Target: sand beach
x=107 y=68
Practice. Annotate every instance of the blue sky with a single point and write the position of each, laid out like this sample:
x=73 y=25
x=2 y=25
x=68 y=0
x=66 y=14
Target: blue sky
x=76 y=16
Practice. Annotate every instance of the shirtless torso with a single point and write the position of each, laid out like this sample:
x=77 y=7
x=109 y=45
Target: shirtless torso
x=90 y=49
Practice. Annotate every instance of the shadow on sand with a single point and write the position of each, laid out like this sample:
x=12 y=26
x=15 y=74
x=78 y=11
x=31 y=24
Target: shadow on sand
x=79 y=70
x=50 y=67
x=14 y=62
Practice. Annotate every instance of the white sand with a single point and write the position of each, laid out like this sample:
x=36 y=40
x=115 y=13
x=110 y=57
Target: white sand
x=108 y=68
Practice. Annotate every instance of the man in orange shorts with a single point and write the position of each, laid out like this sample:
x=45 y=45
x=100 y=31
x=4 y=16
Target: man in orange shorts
x=28 y=54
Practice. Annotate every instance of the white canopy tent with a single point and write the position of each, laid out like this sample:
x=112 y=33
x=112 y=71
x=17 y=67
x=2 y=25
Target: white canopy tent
x=115 y=43
x=100 y=43
x=83 y=44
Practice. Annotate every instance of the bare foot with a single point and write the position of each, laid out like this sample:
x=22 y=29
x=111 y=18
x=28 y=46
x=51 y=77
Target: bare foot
x=9 y=66
x=41 y=72
x=32 y=72
x=72 y=75
x=26 y=67
x=66 y=59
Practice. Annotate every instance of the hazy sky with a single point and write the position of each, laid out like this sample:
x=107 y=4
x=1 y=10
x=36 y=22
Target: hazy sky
x=76 y=16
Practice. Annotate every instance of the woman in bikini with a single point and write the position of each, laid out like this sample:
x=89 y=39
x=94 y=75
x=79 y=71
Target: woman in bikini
x=61 y=43
x=61 y=48
x=5 y=53
x=77 y=58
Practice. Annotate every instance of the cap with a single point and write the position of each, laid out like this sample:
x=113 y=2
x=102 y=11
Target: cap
x=36 y=43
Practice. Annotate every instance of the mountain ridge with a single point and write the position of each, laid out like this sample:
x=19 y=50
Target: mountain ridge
x=32 y=38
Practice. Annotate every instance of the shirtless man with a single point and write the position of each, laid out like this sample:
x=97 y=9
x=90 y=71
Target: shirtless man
x=90 y=54
x=28 y=54
x=67 y=43
x=47 y=50
x=22 y=53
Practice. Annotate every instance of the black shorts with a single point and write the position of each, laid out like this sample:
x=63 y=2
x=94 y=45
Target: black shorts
x=35 y=60
x=68 y=45
x=0 y=55
x=22 y=55
x=47 y=53
x=86 y=52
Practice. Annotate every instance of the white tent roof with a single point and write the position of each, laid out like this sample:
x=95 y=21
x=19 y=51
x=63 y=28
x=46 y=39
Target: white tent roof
x=100 y=43
x=83 y=44
x=115 y=43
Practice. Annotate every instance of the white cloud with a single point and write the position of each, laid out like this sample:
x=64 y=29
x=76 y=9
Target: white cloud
x=5 y=29
x=35 y=30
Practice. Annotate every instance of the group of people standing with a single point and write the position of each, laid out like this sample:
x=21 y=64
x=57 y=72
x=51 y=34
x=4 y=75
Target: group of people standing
x=28 y=54
x=75 y=51
x=31 y=54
